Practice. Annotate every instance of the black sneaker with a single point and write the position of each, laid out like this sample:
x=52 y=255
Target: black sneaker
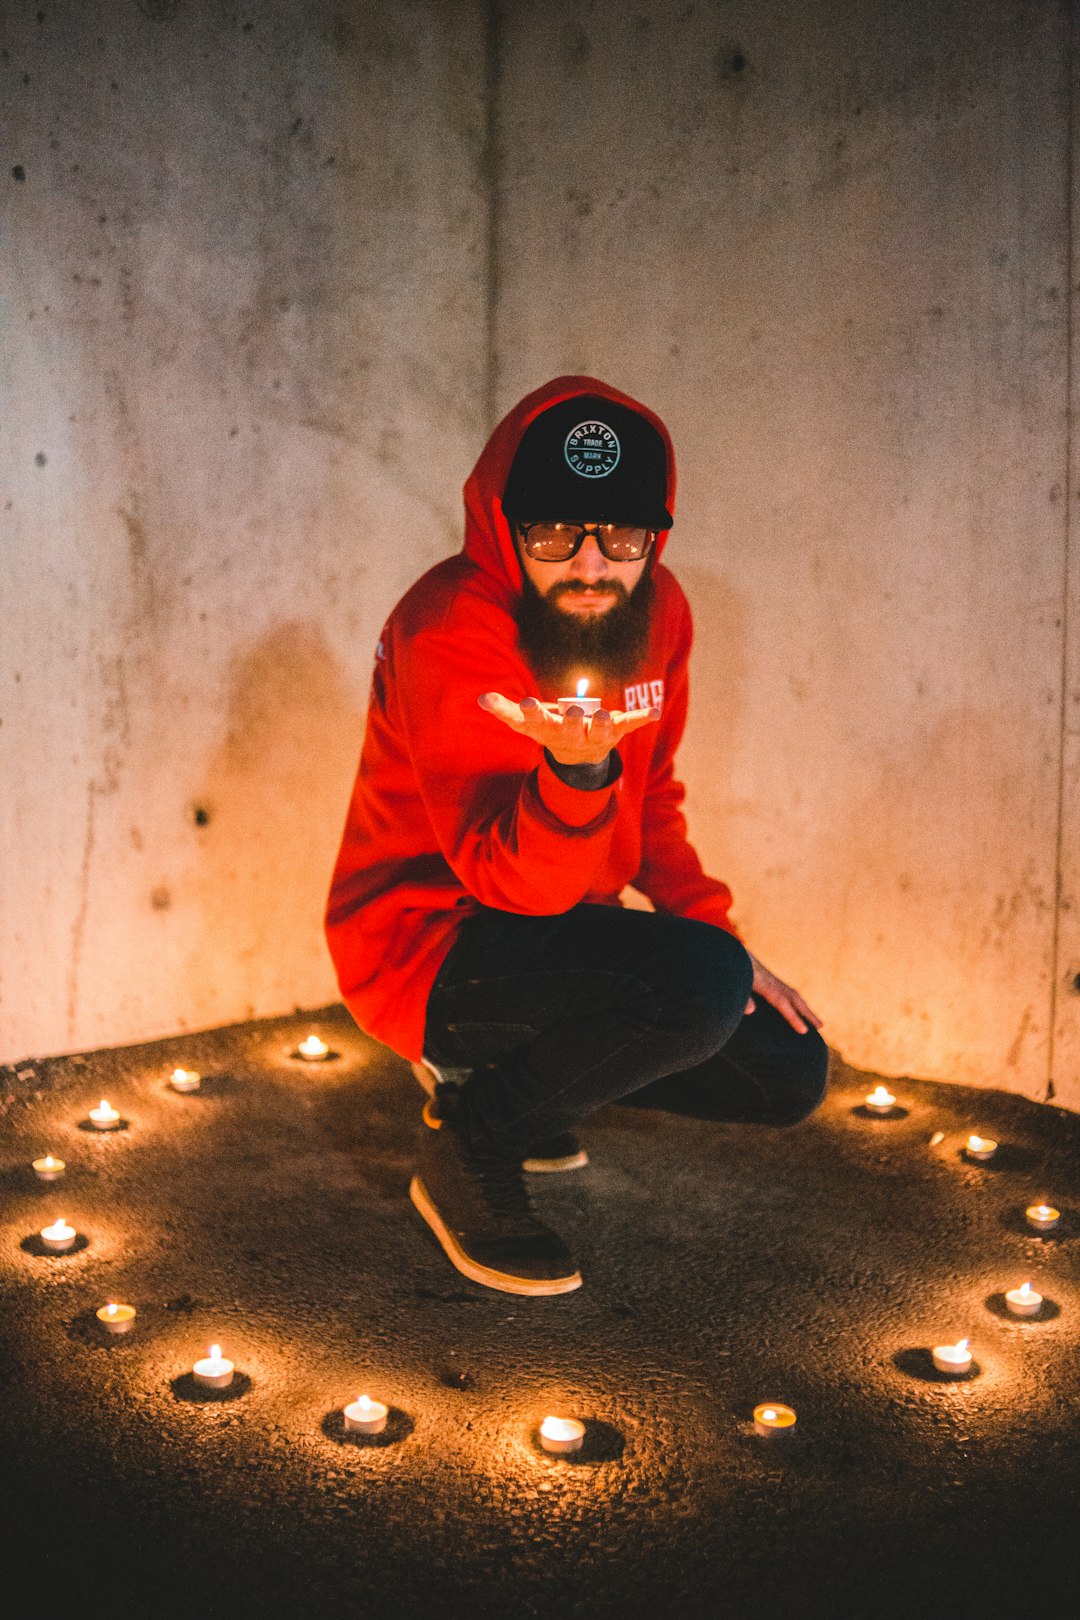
x=563 y=1152
x=475 y=1202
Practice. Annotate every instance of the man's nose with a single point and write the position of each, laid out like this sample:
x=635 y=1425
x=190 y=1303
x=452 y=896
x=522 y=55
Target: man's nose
x=589 y=562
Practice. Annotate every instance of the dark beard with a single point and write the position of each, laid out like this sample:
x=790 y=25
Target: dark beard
x=558 y=645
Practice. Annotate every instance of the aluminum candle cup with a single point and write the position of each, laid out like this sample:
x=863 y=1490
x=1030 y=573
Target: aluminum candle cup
x=312 y=1050
x=366 y=1416
x=561 y=1435
x=1023 y=1301
x=880 y=1100
x=214 y=1372
x=980 y=1147
x=116 y=1318
x=772 y=1418
x=587 y=705
x=48 y=1168
x=953 y=1359
x=103 y=1117
x=58 y=1237
x=185 y=1080
x=1042 y=1217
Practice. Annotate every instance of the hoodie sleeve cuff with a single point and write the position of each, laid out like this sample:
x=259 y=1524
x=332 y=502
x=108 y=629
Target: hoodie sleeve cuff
x=576 y=806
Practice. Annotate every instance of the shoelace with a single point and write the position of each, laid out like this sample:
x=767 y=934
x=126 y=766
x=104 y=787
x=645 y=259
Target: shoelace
x=501 y=1183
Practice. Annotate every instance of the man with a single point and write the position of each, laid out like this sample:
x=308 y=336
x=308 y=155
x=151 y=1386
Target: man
x=474 y=915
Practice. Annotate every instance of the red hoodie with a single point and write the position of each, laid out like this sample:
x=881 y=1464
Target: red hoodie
x=452 y=810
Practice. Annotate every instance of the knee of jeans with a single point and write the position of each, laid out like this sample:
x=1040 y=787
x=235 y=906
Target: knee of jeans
x=706 y=994
x=807 y=1085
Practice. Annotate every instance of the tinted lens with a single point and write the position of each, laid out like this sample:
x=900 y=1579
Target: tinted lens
x=623 y=544
x=552 y=542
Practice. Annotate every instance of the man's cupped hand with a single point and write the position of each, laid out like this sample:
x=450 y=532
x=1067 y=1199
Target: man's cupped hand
x=572 y=738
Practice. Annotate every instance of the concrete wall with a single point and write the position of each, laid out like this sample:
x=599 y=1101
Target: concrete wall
x=265 y=297
x=829 y=242
x=243 y=372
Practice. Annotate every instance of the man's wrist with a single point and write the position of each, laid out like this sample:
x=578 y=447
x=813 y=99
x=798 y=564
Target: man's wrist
x=590 y=777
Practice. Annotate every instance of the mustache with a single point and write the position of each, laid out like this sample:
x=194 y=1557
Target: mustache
x=578 y=587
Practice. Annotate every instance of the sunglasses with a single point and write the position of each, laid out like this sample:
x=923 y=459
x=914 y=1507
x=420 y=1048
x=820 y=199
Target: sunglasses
x=558 y=542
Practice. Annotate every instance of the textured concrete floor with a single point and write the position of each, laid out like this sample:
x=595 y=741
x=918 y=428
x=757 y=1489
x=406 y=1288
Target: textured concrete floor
x=723 y=1265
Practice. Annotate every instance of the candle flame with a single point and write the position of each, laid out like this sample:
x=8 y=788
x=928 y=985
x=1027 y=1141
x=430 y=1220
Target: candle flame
x=975 y=1143
x=111 y=1309
x=881 y=1095
x=582 y=688
x=104 y=1107
x=961 y=1345
x=215 y=1352
x=938 y=1136
x=769 y=1414
x=1026 y=1290
x=49 y=1161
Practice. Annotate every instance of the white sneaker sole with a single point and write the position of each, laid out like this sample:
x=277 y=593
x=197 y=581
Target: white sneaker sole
x=572 y=1161
x=504 y=1281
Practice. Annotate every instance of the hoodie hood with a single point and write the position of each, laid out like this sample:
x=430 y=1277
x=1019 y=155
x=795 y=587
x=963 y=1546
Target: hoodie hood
x=488 y=541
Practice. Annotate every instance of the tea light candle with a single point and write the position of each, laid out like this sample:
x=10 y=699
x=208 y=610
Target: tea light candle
x=58 y=1237
x=937 y=1138
x=1042 y=1217
x=772 y=1418
x=953 y=1358
x=561 y=1435
x=185 y=1080
x=980 y=1147
x=587 y=705
x=116 y=1318
x=880 y=1100
x=1023 y=1301
x=103 y=1117
x=48 y=1168
x=366 y=1416
x=312 y=1050
x=215 y=1372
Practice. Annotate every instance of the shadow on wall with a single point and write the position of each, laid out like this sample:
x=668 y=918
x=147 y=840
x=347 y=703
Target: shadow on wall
x=269 y=817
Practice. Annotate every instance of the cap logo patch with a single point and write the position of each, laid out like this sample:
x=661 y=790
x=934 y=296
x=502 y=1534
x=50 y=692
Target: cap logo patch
x=592 y=450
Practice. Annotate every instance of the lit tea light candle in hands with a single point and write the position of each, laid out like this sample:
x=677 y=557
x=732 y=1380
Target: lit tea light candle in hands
x=59 y=1236
x=48 y=1168
x=588 y=705
x=980 y=1147
x=366 y=1416
x=214 y=1372
x=773 y=1418
x=953 y=1358
x=116 y=1318
x=1023 y=1301
x=313 y=1050
x=880 y=1100
x=104 y=1117
x=561 y=1435
x=185 y=1080
x=1042 y=1217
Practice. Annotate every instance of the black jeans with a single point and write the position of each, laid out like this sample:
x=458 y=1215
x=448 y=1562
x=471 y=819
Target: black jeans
x=554 y=1016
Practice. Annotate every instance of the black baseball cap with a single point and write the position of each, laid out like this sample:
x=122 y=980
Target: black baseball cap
x=592 y=459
